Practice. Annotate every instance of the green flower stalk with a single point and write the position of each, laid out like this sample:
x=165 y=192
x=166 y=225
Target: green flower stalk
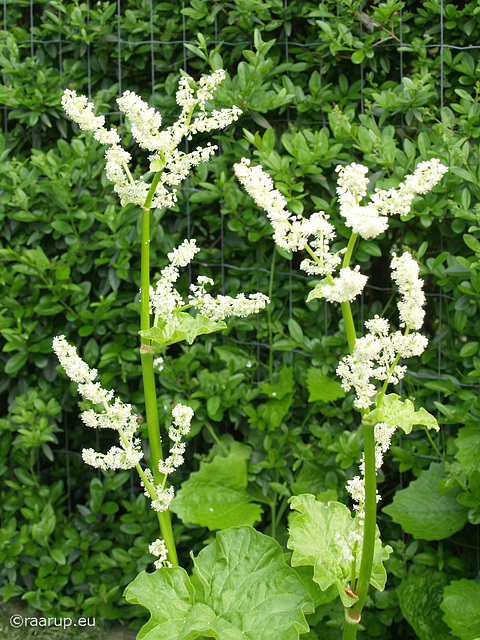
x=168 y=168
x=373 y=357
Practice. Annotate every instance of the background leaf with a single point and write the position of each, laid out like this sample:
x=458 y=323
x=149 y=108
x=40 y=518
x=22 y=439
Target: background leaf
x=420 y=596
x=461 y=604
x=468 y=443
x=423 y=511
x=322 y=387
x=216 y=496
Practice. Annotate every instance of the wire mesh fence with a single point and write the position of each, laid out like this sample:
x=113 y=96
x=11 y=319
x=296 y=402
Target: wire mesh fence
x=117 y=43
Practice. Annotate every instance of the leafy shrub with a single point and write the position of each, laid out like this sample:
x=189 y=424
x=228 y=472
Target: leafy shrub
x=319 y=86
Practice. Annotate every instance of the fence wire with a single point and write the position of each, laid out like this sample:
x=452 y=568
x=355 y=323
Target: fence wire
x=155 y=45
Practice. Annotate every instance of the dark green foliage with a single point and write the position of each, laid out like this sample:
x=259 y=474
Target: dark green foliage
x=320 y=84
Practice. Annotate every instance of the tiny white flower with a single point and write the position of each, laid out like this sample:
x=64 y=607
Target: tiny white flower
x=158 y=363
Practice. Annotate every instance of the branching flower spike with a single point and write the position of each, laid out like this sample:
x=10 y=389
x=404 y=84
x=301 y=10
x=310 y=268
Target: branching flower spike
x=117 y=416
x=173 y=164
x=315 y=234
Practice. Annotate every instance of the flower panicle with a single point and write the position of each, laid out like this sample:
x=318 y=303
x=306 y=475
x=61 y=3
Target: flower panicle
x=294 y=232
x=166 y=301
x=356 y=486
x=118 y=416
x=375 y=355
x=182 y=418
x=371 y=220
x=146 y=125
x=405 y=272
x=160 y=495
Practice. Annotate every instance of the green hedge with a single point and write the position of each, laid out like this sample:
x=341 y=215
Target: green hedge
x=319 y=84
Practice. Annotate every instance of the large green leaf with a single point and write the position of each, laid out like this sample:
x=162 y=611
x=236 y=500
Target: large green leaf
x=320 y=597
x=425 y=512
x=401 y=414
x=317 y=535
x=169 y=595
x=216 y=496
x=240 y=589
x=182 y=327
x=420 y=596
x=461 y=604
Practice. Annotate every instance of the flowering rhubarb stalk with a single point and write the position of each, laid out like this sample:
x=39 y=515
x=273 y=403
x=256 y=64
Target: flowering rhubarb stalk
x=373 y=358
x=163 y=317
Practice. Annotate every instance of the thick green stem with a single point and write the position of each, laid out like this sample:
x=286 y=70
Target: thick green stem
x=269 y=319
x=353 y=613
x=348 y=254
x=370 y=521
x=350 y=630
x=146 y=354
x=349 y=325
x=346 y=308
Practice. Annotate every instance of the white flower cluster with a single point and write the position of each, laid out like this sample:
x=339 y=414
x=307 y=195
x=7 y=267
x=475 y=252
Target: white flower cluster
x=371 y=220
x=356 y=486
x=145 y=121
x=161 y=495
x=405 y=274
x=323 y=233
x=347 y=286
x=145 y=126
x=383 y=440
x=80 y=110
x=159 y=550
x=165 y=299
x=288 y=233
x=376 y=354
x=182 y=417
x=117 y=416
x=351 y=182
x=293 y=232
x=223 y=307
